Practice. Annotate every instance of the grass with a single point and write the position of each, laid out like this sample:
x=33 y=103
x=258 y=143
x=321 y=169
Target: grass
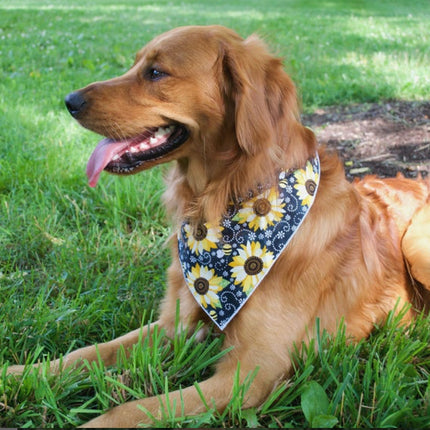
x=79 y=265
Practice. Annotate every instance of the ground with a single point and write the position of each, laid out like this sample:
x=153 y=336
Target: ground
x=377 y=138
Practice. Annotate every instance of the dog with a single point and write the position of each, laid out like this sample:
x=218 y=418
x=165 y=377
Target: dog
x=269 y=234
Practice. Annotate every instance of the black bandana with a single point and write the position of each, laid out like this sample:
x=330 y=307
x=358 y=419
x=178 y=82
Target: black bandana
x=223 y=264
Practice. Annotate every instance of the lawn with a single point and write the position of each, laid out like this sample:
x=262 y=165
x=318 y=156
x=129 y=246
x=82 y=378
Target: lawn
x=81 y=265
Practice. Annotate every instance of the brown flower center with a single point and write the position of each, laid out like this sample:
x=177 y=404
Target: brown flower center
x=201 y=285
x=262 y=207
x=253 y=265
x=200 y=232
x=311 y=186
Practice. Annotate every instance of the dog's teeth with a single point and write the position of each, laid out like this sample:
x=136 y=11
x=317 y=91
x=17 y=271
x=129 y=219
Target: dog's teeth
x=115 y=157
x=161 y=132
x=133 y=149
x=153 y=140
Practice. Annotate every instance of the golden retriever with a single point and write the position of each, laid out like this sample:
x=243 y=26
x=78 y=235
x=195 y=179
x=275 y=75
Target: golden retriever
x=226 y=112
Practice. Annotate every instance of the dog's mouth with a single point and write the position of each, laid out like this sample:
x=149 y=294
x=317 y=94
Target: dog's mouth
x=124 y=157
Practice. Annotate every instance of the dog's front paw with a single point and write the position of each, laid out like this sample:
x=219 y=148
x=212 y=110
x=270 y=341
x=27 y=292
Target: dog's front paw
x=127 y=415
x=52 y=367
x=15 y=370
x=103 y=421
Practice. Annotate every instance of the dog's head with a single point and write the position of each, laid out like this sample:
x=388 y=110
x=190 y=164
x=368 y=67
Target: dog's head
x=200 y=95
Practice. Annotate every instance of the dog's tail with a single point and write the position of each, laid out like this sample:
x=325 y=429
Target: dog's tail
x=416 y=246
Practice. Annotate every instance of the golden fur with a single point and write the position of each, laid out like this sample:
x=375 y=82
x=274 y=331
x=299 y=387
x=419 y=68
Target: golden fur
x=353 y=257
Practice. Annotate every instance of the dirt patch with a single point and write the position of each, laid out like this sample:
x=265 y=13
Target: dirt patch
x=377 y=138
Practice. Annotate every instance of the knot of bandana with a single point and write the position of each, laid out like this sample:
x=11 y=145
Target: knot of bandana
x=224 y=263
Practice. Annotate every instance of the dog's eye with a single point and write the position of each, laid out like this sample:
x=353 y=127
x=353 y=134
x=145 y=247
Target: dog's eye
x=154 y=74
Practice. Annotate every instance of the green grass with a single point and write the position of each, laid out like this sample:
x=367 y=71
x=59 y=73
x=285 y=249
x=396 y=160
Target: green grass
x=79 y=265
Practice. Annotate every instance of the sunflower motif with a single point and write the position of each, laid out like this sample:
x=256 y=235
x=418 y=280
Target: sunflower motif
x=261 y=211
x=306 y=186
x=205 y=285
x=250 y=265
x=203 y=237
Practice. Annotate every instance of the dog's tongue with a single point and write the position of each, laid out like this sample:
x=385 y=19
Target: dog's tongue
x=101 y=157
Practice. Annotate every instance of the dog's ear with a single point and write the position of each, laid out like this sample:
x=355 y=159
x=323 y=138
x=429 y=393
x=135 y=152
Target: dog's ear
x=245 y=72
x=264 y=97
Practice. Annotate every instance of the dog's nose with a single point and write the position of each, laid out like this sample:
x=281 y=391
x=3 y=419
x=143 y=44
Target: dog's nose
x=75 y=103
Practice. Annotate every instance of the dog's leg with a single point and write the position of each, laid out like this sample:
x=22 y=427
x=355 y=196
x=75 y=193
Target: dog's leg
x=416 y=246
x=130 y=415
x=216 y=392
x=107 y=352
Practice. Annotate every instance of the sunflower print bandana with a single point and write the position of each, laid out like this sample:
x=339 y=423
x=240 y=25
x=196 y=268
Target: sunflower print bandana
x=224 y=263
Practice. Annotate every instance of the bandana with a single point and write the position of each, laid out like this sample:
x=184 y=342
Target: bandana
x=224 y=263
